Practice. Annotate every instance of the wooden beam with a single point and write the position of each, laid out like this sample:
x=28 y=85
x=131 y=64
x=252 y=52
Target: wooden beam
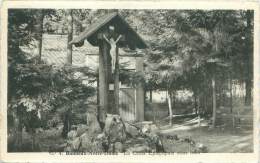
x=139 y=92
x=116 y=86
x=110 y=81
x=103 y=82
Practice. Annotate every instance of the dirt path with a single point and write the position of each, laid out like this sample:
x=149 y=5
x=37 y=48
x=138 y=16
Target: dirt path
x=219 y=140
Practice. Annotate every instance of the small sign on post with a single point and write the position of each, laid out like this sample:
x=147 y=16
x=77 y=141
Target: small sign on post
x=111 y=87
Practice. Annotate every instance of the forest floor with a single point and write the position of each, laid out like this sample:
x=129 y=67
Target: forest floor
x=46 y=140
x=222 y=139
x=217 y=140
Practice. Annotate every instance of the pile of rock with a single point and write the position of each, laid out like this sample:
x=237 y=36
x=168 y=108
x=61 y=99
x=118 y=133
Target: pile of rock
x=85 y=137
x=143 y=138
x=118 y=136
x=174 y=144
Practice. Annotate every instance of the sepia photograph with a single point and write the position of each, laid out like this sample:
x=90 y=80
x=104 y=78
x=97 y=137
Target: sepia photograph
x=130 y=81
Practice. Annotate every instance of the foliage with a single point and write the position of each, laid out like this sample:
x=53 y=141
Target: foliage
x=36 y=88
x=186 y=48
x=193 y=37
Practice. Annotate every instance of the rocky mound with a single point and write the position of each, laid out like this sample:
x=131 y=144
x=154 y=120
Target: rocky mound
x=118 y=136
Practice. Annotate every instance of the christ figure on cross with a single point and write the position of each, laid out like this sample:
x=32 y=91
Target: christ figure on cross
x=112 y=43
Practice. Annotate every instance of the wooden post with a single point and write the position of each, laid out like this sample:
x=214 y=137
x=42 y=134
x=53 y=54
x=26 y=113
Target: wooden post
x=97 y=89
x=110 y=81
x=103 y=81
x=139 y=92
x=151 y=95
x=169 y=97
x=116 y=85
x=231 y=96
x=214 y=101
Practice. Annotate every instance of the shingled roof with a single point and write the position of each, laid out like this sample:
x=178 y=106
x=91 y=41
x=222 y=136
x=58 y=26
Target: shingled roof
x=122 y=27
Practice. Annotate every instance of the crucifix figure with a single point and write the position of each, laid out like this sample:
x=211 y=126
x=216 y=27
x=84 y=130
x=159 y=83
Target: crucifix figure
x=112 y=43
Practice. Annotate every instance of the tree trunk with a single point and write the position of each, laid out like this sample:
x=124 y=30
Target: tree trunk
x=154 y=113
x=203 y=104
x=97 y=90
x=33 y=137
x=206 y=104
x=198 y=109
x=173 y=99
x=214 y=101
x=248 y=95
x=170 y=107
x=195 y=103
x=18 y=129
x=206 y=95
x=231 y=95
x=151 y=95
x=221 y=94
x=66 y=123
x=70 y=36
x=39 y=31
x=249 y=60
x=67 y=119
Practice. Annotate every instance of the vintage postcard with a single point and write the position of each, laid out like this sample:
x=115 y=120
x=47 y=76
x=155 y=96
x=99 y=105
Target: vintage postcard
x=129 y=81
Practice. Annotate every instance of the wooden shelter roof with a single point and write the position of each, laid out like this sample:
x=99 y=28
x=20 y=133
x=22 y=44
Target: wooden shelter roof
x=132 y=39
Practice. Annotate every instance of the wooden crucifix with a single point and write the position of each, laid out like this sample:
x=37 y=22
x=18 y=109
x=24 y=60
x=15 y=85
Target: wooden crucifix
x=113 y=70
x=108 y=33
x=110 y=40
